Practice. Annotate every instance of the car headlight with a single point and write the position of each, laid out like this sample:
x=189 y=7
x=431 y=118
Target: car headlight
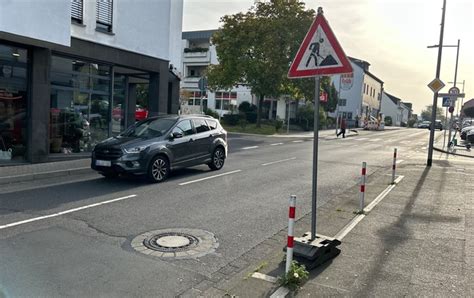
x=137 y=149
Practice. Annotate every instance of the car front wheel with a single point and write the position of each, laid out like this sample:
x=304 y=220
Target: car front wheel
x=159 y=169
x=218 y=158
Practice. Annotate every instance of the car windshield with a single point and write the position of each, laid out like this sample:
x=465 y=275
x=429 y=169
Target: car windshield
x=151 y=128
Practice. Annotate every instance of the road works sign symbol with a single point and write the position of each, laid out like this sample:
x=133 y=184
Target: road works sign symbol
x=320 y=53
x=436 y=85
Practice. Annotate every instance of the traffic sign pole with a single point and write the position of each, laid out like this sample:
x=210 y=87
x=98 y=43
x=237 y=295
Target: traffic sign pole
x=429 y=161
x=314 y=204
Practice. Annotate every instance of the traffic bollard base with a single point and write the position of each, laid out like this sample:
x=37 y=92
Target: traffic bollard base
x=313 y=253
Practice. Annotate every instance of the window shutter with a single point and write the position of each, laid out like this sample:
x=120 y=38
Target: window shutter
x=76 y=10
x=104 y=13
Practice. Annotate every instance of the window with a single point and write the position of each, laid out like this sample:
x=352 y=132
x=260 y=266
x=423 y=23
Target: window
x=184 y=127
x=212 y=124
x=349 y=116
x=104 y=15
x=201 y=125
x=342 y=102
x=195 y=98
x=76 y=11
x=223 y=100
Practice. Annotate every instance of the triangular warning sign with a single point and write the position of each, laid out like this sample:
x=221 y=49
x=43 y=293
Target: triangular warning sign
x=320 y=53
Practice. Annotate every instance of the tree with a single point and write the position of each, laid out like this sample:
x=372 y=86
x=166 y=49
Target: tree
x=426 y=113
x=257 y=47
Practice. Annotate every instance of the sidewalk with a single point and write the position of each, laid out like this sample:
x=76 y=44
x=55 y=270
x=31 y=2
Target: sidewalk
x=418 y=241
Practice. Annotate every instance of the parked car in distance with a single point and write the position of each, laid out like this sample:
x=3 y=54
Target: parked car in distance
x=438 y=125
x=155 y=146
x=140 y=113
x=465 y=130
x=424 y=124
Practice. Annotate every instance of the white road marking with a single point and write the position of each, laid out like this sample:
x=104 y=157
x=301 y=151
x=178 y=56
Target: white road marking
x=210 y=177
x=375 y=140
x=405 y=142
x=400 y=161
x=278 y=161
x=361 y=139
x=276 y=144
x=265 y=277
x=298 y=141
x=251 y=147
x=343 y=233
x=64 y=212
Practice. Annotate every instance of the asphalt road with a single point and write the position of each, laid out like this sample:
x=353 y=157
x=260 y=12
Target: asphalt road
x=87 y=252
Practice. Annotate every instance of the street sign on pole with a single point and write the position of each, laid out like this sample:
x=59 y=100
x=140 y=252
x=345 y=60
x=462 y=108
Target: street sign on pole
x=319 y=54
x=454 y=91
x=436 y=85
x=446 y=101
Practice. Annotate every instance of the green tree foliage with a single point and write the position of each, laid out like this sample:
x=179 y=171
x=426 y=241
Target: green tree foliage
x=426 y=113
x=257 y=47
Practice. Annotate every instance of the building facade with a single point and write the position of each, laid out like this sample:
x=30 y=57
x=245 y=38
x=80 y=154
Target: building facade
x=84 y=75
x=391 y=107
x=198 y=53
x=359 y=94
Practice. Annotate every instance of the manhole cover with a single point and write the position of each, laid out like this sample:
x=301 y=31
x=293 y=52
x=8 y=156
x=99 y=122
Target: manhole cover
x=171 y=242
x=175 y=243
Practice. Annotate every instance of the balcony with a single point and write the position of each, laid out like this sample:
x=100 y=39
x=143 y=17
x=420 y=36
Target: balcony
x=203 y=56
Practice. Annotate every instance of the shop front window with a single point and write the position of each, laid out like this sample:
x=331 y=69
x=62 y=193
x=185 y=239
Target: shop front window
x=13 y=100
x=80 y=99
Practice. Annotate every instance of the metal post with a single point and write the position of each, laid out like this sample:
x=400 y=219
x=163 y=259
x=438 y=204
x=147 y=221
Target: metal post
x=288 y=121
x=362 y=187
x=337 y=103
x=429 y=162
x=290 y=239
x=446 y=125
x=315 y=158
x=394 y=165
x=455 y=78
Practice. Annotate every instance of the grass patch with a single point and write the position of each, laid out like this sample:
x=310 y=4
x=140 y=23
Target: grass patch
x=264 y=129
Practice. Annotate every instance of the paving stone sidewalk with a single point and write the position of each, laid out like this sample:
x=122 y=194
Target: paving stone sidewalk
x=418 y=241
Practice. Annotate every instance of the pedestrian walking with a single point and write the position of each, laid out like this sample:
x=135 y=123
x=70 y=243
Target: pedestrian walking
x=342 y=124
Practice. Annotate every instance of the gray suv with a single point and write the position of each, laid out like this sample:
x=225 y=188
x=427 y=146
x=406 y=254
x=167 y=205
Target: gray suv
x=155 y=146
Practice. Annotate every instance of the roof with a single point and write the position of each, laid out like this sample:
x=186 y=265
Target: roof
x=395 y=99
x=365 y=66
x=203 y=34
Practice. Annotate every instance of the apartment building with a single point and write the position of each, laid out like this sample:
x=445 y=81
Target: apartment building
x=75 y=72
x=198 y=53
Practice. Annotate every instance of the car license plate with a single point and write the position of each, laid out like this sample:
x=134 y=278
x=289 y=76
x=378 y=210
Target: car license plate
x=103 y=163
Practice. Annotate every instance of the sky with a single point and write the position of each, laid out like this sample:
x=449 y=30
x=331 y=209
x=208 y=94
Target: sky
x=392 y=35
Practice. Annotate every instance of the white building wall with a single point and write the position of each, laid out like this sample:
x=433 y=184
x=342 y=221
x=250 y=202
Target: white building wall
x=370 y=98
x=405 y=113
x=353 y=95
x=176 y=31
x=46 y=20
x=389 y=108
x=141 y=26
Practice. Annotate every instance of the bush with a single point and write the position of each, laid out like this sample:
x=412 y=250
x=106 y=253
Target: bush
x=233 y=119
x=249 y=110
x=411 y=122
x=278 y=124
x=388 y=120
x=212 y=113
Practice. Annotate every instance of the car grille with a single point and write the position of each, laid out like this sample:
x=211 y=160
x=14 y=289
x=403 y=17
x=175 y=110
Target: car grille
x=108 y=153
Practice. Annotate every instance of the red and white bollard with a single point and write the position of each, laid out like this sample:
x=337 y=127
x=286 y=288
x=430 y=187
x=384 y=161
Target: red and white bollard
x=291 y=227
x=394 y=165
x=362 y=186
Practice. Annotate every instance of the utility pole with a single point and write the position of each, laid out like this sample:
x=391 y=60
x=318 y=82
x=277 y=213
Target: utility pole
x=429 y=162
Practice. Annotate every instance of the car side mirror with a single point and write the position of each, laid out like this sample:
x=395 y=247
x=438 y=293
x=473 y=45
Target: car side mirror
x=176 y=135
